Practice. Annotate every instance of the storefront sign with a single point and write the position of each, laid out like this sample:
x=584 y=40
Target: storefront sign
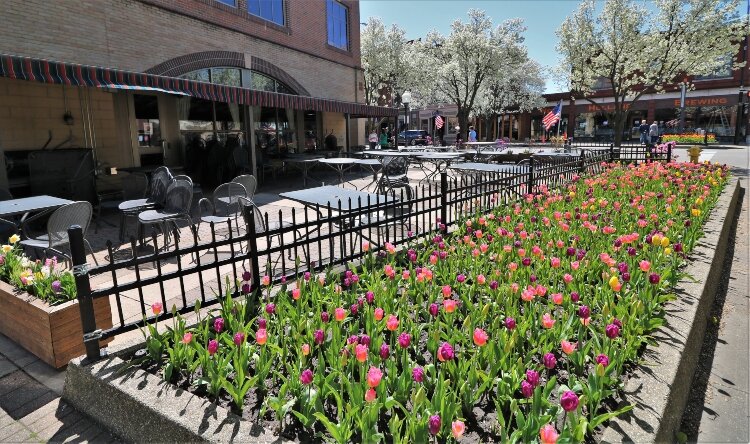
x=704 y=101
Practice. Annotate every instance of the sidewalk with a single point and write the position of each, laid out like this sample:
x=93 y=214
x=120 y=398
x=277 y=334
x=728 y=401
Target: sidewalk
x=30 y=406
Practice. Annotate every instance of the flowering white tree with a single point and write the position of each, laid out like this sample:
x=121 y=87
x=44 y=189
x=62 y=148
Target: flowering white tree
x=456 y=67
x=516 y=88
x=633 y=47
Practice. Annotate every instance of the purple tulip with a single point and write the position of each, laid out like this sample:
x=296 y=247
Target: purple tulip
x=306 y=377
x=364 y=340
x=324 y=316
x=584 y=312
x=434 y=308
x=385 y=351
x=575 y=297
x=239 y=338
x=569 y=401
x=461 y=278
x=678 y=247
x=527 y=389
x=246 y=276
x=270 y=308
x=354 y=309
x=319 y=336
x=533 y=377
x=353 y=339
x=307 y=276
x=549 y=361
x=654 y=278
x=612 y=331
x=213 y=346
x=532 y=278
x=446 y=351
x=369 y=297
x=404 y=339
x=510 y=323
x=262 y=323
x=219 y=325
x=526 y=262
x=246 y=288
x=631 y=251
x=434 y=424
x=56 y=286
x=602 y=359
x=570 y=251
x=617 y=322
x=494 y=285
x=417 y=373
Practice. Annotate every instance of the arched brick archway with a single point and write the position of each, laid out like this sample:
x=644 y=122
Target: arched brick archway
x=209 y=59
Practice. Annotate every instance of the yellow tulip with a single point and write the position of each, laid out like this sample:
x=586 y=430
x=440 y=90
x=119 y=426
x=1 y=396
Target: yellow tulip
x=15 y=238
x=7 y=248
x=665 y=242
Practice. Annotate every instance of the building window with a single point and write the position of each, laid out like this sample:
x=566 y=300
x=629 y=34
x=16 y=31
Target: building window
x=232 y=3
x=271 y=10
x=337 y=25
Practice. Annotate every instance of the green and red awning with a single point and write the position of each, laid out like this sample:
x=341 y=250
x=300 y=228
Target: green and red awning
x=47 y=71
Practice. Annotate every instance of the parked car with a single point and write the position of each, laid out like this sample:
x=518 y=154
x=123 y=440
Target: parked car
x=412 y=137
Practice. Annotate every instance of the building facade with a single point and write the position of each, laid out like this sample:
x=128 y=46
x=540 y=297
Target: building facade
x=303 y=55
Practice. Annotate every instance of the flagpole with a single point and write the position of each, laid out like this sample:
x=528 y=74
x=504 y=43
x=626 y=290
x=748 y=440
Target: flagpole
x=559 y=121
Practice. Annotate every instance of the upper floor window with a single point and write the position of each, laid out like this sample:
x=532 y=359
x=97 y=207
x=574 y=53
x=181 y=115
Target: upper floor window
x=337 y=25
x=724 y=71
x=271 y=10
x=232 y=3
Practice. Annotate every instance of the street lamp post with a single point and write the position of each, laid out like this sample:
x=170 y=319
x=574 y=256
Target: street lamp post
x=406 y=99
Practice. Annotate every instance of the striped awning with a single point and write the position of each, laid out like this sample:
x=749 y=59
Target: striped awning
x=47 y=71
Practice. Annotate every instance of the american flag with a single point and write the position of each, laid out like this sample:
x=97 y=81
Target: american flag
x=438 y=122
x=552 y=117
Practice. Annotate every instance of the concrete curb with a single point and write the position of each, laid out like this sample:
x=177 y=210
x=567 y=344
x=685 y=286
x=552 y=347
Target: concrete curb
x=140 y=407
x=660 y=386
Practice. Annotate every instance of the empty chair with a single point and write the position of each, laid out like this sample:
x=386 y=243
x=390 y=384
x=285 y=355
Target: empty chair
x=249 y=182
x=179 y=198
x=394 y=172
x=251 y=211
x=225 y=205
x=56 y=239
x=155 y=198
x=393 y=214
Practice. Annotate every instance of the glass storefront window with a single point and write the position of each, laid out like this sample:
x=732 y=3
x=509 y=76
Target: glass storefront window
x=719 y=120
x=147 y=120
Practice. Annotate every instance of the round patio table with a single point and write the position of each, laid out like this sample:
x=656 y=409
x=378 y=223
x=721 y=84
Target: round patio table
x=340 y=165
x=440 y=160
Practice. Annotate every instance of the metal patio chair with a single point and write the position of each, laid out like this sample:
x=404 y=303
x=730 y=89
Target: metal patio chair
x=76 y=213
x=251 y=210
x=249 y=182
x=154 y=198
x=225 y=205
x=394 y=172
x=179 y=198
x=397 y=214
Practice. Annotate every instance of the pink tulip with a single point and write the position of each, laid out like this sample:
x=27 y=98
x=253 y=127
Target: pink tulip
x=374 y=375
x=548 y=434
x=480 y=337
x=547 y=321
x=370 y=395
x=568 y=347
x=392 y=323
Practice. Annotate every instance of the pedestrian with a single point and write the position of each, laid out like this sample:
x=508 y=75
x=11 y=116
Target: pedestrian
x=472 y=134
x=653 y=131
x=383 y=139
x=373 y=139
x=643 y=129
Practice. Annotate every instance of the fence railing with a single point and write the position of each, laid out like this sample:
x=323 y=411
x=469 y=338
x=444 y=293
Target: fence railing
x=235 y=256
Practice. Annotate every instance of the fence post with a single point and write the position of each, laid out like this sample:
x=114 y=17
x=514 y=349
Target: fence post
x=444 y=200
x=669 y=152
x=611 y=152
x=252 y=247
x=582 y=162
x=530 y=184
x=83 y=289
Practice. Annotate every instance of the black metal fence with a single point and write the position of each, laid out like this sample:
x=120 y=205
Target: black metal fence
x=238 y=255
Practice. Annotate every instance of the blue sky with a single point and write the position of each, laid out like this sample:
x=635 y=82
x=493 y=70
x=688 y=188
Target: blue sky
x=417 y=17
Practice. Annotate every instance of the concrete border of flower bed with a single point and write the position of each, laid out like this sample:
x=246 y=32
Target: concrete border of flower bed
x=140 y=407
x=660 y=386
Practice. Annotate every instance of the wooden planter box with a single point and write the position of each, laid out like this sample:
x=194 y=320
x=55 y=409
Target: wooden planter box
x=52 y=333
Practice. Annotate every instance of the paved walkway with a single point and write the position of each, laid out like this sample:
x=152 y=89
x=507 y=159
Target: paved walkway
x=30 y=406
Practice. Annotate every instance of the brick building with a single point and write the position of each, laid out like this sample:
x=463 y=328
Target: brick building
x=131 y=109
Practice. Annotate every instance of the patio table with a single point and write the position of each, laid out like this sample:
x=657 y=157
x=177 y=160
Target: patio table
x=371 y=165
x=33 y=204
x=303 y=163
x=440 y=160
x=340 y=165
x=330 y=200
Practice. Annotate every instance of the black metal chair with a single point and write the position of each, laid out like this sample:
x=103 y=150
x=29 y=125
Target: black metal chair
x=76 y=213
x=154 y=198
x=179 y=198
x=225 y=204
x=394 y=172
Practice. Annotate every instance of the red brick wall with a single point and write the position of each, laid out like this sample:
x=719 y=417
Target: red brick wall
x=141 y=34
x=305 y=26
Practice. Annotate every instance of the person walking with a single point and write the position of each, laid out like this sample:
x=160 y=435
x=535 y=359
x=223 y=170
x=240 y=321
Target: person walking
x=653 y=132
x=383 y=139
x=472 y=134
x=644 y=129
x=373 y=139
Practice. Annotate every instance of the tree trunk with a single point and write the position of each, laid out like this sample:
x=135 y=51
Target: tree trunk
x=620 y=117
x=463 y=123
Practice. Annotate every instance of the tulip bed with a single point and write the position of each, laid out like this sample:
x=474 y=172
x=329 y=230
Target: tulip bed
x=517 y=326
